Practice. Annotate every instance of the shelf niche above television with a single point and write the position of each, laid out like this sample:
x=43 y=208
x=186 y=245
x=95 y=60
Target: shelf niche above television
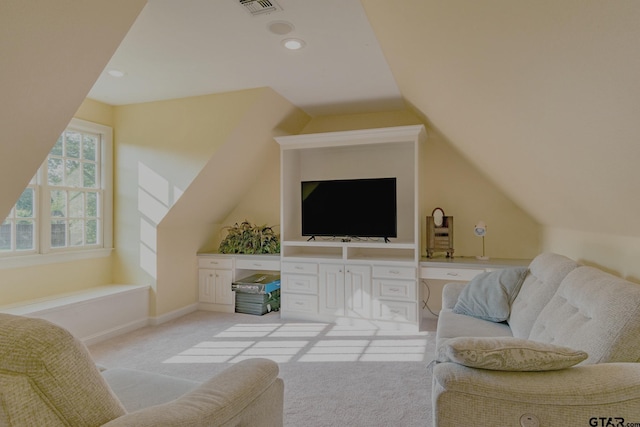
x=353 y=155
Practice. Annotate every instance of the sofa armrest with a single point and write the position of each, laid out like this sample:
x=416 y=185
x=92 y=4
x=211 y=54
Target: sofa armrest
x=450 y=293
x=565 y=397
x=247 y=393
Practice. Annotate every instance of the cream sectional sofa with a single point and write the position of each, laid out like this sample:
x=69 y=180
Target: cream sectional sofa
x=518 y=372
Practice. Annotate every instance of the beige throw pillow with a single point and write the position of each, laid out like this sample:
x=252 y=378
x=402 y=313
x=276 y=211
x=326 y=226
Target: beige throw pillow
x=508 y=354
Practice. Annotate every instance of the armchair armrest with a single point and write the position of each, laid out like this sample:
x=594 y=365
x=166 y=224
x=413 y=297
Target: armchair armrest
x=565 y=397
x=247 y=393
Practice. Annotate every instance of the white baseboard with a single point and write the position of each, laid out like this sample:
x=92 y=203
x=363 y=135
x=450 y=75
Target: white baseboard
x=114 y=332
x=157 y=320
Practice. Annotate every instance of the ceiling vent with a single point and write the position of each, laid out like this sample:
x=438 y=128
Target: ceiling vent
x=260 y=7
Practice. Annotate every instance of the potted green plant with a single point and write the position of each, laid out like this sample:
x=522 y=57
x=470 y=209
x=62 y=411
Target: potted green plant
x=248 y=238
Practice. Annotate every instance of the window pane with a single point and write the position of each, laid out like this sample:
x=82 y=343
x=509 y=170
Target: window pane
x=5 y=236
x=57 y=149
x=72 y=144
x=73 y=178
x=25 y=237
x=24 y=206
x=89 y=175
x=55 y=171
x=76 y=232
x=76 y=204
x=58 y=203
x=58 y=234
x=89 y=145
x=92 y=205
x=72 y=182
x=92 y=232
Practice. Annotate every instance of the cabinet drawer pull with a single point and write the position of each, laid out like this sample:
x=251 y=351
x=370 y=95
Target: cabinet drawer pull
x=299 y=267
x=257 y=264
x=299 y=303
x=394 y=272
x=396 y=290
x=451 y=273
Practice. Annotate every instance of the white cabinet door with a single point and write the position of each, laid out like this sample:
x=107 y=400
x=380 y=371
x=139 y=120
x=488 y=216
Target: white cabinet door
x=206 y=285
x=358 y=290
x=331 y=289
x=214 y=286
x=223 y=292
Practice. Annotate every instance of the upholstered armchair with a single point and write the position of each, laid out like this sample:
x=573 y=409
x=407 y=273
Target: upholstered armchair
x=47 y=378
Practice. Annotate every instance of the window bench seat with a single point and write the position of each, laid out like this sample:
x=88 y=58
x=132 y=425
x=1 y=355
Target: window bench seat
x=93 y=314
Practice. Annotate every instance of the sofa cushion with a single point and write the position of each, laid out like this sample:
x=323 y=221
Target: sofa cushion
x=453 y=325
x=595 y=312
x=489 y=295
x=139 y=389
x=546 y=271
x=508 y=354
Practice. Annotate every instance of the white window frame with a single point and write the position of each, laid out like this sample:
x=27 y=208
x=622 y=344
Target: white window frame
x=44 y=253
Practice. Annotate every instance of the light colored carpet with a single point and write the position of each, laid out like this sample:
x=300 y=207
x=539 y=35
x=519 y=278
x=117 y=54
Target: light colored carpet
x=334 y=375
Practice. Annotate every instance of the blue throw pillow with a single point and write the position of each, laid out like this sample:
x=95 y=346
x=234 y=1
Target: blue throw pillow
x=489 y=295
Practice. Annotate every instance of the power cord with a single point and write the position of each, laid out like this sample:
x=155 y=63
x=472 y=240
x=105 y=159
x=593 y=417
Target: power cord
x=425 y=303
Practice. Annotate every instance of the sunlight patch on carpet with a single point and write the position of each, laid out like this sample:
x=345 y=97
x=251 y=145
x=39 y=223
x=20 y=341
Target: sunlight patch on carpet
x=325 y=342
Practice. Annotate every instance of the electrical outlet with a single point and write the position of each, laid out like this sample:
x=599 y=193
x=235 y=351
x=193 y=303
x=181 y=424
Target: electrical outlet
x=529 y=420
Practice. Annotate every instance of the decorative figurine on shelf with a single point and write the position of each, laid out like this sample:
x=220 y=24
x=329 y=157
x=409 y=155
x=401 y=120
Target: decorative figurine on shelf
x=480 y=230
x=439 y=233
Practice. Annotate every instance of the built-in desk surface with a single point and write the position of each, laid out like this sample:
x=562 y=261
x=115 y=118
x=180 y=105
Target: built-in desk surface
x=472 y=262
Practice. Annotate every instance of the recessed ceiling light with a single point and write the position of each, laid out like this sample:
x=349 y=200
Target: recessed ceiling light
x=293 y=44
x=116 y=73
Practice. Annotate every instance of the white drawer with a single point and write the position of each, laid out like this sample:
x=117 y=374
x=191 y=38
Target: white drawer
x=449 y=273
x=256 y=264
x=299 y=283
x=207 y=262
x=300 y=267
x=395 y=289
x=299 y=303
x=394 y=272
x=397 y=311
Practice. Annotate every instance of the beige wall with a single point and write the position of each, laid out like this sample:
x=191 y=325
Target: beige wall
x=96 y=112
x=618 y=255
x=166 y=148
x=172 y=191
x=160 y=147
x=37 y=281
x=509 y=85
x=455 y=185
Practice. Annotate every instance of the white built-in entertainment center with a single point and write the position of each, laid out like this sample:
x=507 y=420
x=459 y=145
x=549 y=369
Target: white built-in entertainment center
x=346 y=279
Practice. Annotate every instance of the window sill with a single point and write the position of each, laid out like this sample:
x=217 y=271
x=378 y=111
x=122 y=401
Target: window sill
x=54 y=258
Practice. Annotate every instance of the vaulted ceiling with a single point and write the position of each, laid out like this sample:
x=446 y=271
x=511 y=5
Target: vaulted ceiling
x=542 y=96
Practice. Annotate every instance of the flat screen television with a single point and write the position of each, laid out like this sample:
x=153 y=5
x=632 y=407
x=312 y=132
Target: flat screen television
x=350 y=208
